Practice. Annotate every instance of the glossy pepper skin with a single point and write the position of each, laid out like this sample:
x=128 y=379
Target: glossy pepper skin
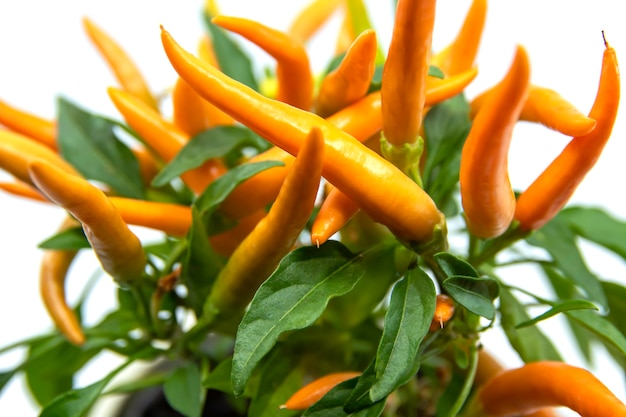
x=377 y=186
x=293 y=70
x=55 y=264
x=274 y=236
x=311 y=18
x=545 y=197
x=547 y=384
x=406 y=69
x=315 y=390
x=125 y=70
x=117 y=248
x=486 y=193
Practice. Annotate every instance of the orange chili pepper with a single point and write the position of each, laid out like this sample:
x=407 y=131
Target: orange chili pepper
x=315 y=390
x=377 y=186
x=172 y=219
x=406 y=69
x=334 y=213
x=54 y=267
x=273 y=237
x=460 y=55
x=165 y=138
x=125 y=70
x=312 y=18
x=293 y=71
x=117 y=248
x=438 y=90
x=27 y=124
x=350 y=81
x=444 y=310
x=547 y=384
x=552 y=189
x=549 y=108
x=22 y=189
x=17 y=151
x=486 y=193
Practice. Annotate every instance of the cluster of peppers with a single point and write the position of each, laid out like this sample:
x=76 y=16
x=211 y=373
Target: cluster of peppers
x=364 y=138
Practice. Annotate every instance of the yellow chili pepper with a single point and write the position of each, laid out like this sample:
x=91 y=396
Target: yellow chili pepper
x=125 y=70
x=312 y=18
x=486 y=193
x=406 y=69
x=549 y=108
x=350 y=81
x=165 y=138
x=259 y=254
x=377 y=186
x=334 y=213
x=460 y=55
x=545 y=197
x=18 y=151
x=54 y=267
x=293 y=71
x=22 y=189
x=27 y=124
x=117 y=248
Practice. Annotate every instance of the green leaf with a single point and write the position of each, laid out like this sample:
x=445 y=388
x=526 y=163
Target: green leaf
x=597 y=226
x=232 y=60
x=219 y=377
x=616 y=295
x=475 y=294
x=293 y=297
x=455 y=266
x=601 y=327
x=360 y=398
x=408 y=318
x=332 y=404
x=6 y=376
x=201 y=264
x=530 y=342
x=70 y=239
x=77 y=402
x=560 y=241
x=88 y=142
x=213 y=143
x=217 y=192
x=281 y=376
x=559 y=308
x=183 y=390
x=446 y=126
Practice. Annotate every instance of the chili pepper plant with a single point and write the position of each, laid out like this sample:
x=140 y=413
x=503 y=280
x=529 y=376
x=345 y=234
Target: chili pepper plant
x=334 y=238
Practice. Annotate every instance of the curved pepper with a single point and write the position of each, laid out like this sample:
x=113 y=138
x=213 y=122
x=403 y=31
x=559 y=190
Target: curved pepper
x=460 y=55
x=22 y=189
x=543 y=199
x=165 y=138
x=547 y=384
x=117 y=248
x=293 y=71
x=350 y=81
x=377 y=186
x=260 y=252
x=27 y=124
x=52 y=273
x=334 y=213
x=315 y=390
x=125 y=70
x=18 y=151
x=486 y=193
x=406 y=69
x=312 y=18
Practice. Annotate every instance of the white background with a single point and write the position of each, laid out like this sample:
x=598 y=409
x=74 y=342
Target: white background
x=45 y=53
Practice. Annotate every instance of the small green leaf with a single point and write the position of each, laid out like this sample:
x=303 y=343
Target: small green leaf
x=597 y=226
x=217 y=192
x=559 y=240
x=6 y=376
x=408 y=318
x=232 y=60
x=219 y=377
x=70 y=239
x=559 y=308
x=475 y=294
x=530 y=343
x=616 y=295
x=213 y=143
x=89 y=143
x=455 y=266
x=183 y=390
x=601 y=327
x=201 y=264
x=292 y=298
